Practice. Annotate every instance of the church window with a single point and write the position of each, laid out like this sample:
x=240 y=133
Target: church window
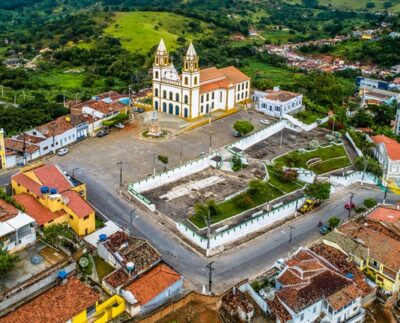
x=202 y=109
x=212 y=105
x=238 y=97
x=212 y=96
x=186 y=99
x=195 y=80
x=186 y=113
x=220 y=96
x=238 y=87
x=177 y=97
x=156 y=92
x=177 y=110
x=164 y=94
x=208 y=96
x=156 y=105
x=157 y=61
x=242 y=86
x=207 y=108
x=242 y=95
x=186 y=81
x=171 y=95
x=170 y=109
x=247 y=85
x=156 y=73
x=202 y=98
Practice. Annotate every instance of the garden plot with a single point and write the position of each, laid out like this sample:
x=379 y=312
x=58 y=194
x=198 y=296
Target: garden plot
x=177 y=199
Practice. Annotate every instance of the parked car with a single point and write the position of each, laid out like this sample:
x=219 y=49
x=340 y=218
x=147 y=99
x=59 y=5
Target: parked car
x=102 y=133
x=325 y=229
x=62 y=151
x=309 y=205
x=349 y=206
x=119 y=125
x=279 y=263
x=236 y=134
x=139 y=110
x=264 y=121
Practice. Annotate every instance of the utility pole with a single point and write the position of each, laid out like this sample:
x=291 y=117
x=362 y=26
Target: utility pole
x=365 y=169
x=181 y=155
x=384 y=197
x=53 y=128
x=24 y=148
x=154 y=164
x=209 y=150
x=131 y=222
x=210 y=270
x=120 y=173
x=290 y=235
x=351 y=204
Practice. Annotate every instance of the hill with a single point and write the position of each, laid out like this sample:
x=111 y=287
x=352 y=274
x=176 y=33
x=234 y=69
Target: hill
x=140 y=30
x=363 y=5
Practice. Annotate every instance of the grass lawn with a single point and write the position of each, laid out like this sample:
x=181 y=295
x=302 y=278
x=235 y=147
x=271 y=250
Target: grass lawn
x=59 y=79
x=102 y=268
x=142 y=30
x=279 y=36
x=307 y=117
x=232 y=207
x=285 y=187
x=332 y=158
x=278 y=75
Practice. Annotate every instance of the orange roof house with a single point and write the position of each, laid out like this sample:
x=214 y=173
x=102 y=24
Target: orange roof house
x=57 y=305
x=152 y=289
x=387 y=152
x=50 y=196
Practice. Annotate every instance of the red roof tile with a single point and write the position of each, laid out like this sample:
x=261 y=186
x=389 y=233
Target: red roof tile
x=234 y=75
x=27 y=182
x=211 y=73
x=384 y=214
x=53 y=177
x=7 y=211
x=153 y=283
x=36 y=210
x=223 y=84
x=391 y=145
x=77 y=204
x=18 y=145
x=57 y=305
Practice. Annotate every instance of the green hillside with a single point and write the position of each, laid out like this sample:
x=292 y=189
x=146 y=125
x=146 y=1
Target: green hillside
x=140 y=31
x=378 y=5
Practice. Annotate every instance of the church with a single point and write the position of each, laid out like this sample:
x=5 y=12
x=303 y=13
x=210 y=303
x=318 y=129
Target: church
x=195 y=92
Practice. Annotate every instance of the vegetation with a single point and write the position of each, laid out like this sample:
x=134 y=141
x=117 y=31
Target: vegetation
x=163 y=159
x=369 y=165
x=319 y=190
x=119 y=118
x=7 y=261
x=236 y=163
x=102 y=267
x=333 y=222
x=285 y=181
x=370 y=203
x=243 y=127
x=54 y=234
x=9 y=199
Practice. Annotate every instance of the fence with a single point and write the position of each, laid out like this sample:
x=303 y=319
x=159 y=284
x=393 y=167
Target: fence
x=257 y=298
x=237 y=232
x=303 y=126
x=355 y=177
x=358 y=151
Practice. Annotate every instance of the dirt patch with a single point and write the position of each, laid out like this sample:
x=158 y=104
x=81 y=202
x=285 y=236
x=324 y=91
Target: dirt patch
x=193 y=312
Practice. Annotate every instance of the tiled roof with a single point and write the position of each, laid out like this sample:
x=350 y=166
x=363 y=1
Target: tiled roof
x=343 y=297
x=223 y=84
x=279 y=310
x=18 y=145
x=347 y=244
x=385 y=214
x=27 y=182
x=60 y=125
x=281 y=96
x=117 y=278
x=104 y=107
x=36 y=210
x=151 y=284
x=57 y=305
x=234 y=75
x=77 y=204
x=211 y=73
x=7 y=211
x=391 y=145
x=51 y=176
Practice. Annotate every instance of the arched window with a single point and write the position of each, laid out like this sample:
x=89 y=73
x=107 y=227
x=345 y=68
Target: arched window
x=164 y=107
x=207 y=108
x=156 y=74
x=186 y=113
x=177 y=110
x=156 y=105
x=157 y=61
x=171 y=95
x=186 y=99
x=170 y=109
x=156 y=92
x=177 y=97
x=164 y=94
x=186 y=80
x=195 y=80
x=202 y=109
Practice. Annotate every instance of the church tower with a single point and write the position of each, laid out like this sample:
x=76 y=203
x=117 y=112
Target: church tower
x=191 y=79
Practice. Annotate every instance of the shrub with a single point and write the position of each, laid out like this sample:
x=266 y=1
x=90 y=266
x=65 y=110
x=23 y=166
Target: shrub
x=318 y=190
x=257 y=187
x=360 y=209
x=119 y=118
x=236 y=163
x=370 y=203
x=333 y=222
x=243 y=127
x=244 y=201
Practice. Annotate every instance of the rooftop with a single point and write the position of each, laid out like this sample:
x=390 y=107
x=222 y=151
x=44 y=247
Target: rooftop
x=58 y=304
x=216 y=78
x=152 y=283
x=280 y=95
x=60 y=125
x=18 y=145
x=104 y=107
x=385 y=214
x=7 y=210
x=77 y=204
x=392 y=146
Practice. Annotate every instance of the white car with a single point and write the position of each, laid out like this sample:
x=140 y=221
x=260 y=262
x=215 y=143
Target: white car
x=279 y=263
x=119 y=125
x=266 y=122
x=62 y=151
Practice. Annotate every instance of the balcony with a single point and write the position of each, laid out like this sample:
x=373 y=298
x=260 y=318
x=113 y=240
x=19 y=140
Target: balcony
x=357 y=318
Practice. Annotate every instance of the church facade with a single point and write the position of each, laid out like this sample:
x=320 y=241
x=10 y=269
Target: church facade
x=195 y=92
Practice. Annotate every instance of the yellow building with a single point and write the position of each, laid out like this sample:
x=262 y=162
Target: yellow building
x=50 y=196
x=2 y=150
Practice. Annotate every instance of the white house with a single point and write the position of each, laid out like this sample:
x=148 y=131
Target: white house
x=277 y=102
x=310 y=288
x=17 y=229
x=196 y=91
x=395 y=69
x=387 y=151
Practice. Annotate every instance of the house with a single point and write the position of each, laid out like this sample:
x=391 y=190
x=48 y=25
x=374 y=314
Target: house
x=395 y=69
x=364 y=82
x=371 y=96
x=15 y=152
x=387 y=152
x=373 y=247
x=69 y=301
x=108 y=229
x=17 y=229
x=311 y=288
x=195 y=92
x=277 y=102
x=152 y=289
x=388 y=215
x=236 y=304
x=50 y=196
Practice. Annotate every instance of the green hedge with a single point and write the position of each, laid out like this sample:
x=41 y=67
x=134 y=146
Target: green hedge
x=119 y=118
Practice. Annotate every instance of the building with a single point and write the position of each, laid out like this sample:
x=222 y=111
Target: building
x=371 y=96
x=70 y=301
x=387 y=152
x=3 y=158
x=17 y=229
x=152 y=289
x=310 y=288
x=364 y=82
x=372 y=246
x=196 y=92
x=397 y=123
x=395 y=69
x=50 y=196
x=277 y=102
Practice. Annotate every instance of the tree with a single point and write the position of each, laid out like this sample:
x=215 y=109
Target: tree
x=164 y=160
x=7 y=261
x=54 y=233
x=243 y=127
x=370 y=165
x=257 y=187
x=384 y=114
x=333 y=222
x=362 y=119
x=370 y=203
x=236 y=163
x=319 y=190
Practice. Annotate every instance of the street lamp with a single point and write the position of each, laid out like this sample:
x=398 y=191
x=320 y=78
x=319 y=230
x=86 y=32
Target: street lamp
x=131 y=221
x=120 y=173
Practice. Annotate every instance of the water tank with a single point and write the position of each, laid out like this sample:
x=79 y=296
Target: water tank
x=44 y=189
x=62 y=274
x=349 y=275
x=53 y=191
x=130 y=266
x=103 y=237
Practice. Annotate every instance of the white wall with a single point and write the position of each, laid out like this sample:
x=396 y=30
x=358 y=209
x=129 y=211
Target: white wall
x=356 y=177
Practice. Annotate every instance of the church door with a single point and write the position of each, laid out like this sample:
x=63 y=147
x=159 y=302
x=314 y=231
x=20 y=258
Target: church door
x=164 y=107
x=171 y=109
x=186 y=113
x=177 y=110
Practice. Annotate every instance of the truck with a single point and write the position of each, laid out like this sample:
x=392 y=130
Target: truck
x=309 y=205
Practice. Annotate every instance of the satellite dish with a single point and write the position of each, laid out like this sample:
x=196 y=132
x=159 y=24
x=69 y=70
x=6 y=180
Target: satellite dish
x=66 y=199
x=83 y=262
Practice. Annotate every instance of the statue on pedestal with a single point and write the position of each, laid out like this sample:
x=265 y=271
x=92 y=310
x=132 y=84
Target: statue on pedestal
x=154 y=128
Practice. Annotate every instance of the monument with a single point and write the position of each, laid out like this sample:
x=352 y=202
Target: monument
x=154 y=128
